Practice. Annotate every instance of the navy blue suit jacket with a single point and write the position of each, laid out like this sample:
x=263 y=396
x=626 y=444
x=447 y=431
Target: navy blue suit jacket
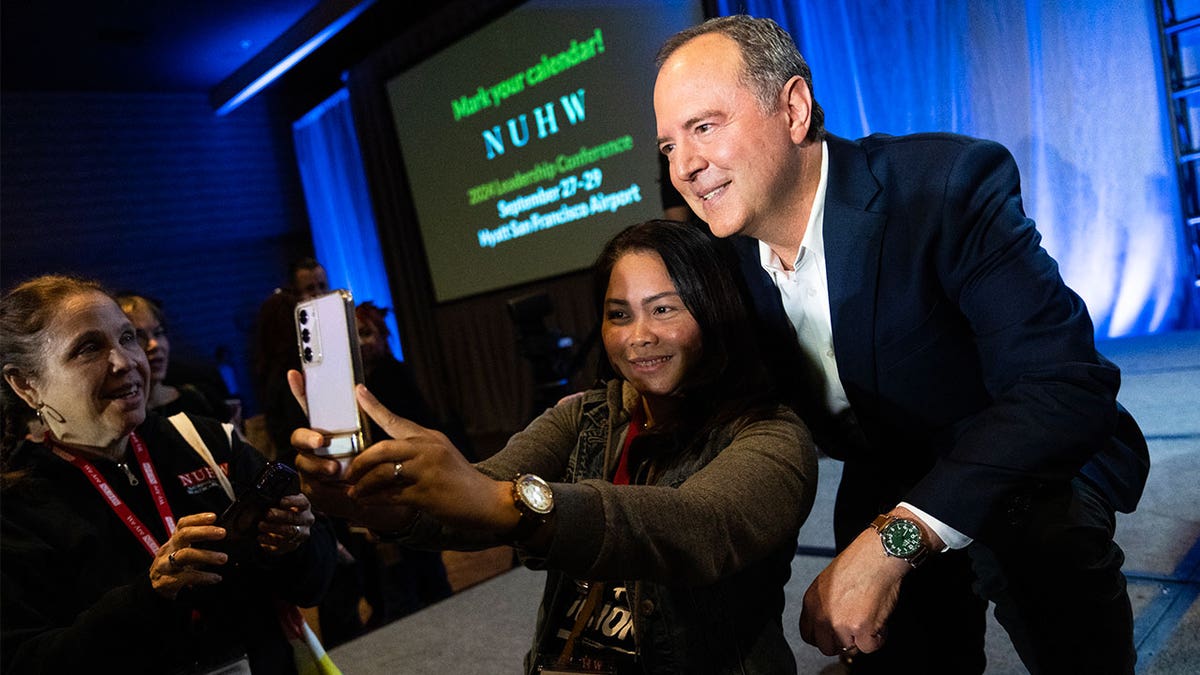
x=970 y=366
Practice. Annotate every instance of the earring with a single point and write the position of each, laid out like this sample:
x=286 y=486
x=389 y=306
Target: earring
x=50 y=412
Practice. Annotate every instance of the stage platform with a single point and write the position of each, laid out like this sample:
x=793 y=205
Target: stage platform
x=486 y=629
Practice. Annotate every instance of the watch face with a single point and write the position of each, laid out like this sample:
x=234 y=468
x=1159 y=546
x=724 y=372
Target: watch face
x=536 y=494
x=901 y=538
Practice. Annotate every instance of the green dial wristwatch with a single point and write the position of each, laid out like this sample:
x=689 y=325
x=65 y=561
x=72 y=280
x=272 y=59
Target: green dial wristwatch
x=901 y=538
x=535 y=500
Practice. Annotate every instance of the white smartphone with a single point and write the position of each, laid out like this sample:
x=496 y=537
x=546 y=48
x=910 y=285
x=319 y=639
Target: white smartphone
x=328 y=339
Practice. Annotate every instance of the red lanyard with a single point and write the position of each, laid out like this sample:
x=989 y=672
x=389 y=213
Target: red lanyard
x=135 y=525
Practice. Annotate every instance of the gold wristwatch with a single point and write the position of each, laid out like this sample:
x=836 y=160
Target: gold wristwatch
x=535 y=500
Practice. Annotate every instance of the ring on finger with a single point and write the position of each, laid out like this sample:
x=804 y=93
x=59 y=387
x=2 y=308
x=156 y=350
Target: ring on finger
x=171 y=560
x=397 y=468
x=294 y=535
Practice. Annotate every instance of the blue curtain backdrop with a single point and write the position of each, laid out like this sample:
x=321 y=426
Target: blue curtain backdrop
x=1072 y=87
x=339 y=208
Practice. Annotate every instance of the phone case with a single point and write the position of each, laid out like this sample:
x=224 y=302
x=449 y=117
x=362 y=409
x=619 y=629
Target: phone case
x=241 y=519
x=274 y=483
x=328 y=339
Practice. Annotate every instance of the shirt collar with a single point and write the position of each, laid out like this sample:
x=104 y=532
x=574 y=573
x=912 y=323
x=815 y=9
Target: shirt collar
x=813 y=242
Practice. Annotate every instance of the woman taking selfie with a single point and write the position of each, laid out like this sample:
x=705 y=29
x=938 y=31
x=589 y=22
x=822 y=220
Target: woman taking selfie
x=664 y=504
x=107 y=510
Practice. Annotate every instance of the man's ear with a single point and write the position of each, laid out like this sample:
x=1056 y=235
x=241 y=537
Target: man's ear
x=21 y=385
x=797 y=101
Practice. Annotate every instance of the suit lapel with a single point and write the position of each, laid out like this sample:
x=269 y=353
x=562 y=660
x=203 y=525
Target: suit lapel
x=853 y=236
x=763 y=293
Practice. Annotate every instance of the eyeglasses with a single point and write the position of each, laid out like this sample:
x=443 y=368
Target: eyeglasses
x=144 y=337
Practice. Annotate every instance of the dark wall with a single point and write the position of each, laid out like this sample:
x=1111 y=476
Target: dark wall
x=155 y=193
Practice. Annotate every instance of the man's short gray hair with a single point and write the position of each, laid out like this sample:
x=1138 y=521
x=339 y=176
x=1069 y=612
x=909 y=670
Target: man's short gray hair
x=769 y=60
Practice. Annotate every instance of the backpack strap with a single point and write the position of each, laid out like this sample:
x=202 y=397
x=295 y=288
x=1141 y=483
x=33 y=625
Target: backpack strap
x=183 y=424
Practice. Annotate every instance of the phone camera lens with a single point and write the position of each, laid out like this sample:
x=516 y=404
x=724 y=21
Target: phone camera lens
x=308 y=354
x=304 y=316
x=305 y=335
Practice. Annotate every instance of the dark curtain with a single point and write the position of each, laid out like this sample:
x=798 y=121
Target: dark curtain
x=339 y=209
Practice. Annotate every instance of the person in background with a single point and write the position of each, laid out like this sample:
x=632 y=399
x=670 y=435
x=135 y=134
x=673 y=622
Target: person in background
x=273 y=353
x=663 y=499
x=308 y=278
x=108 y=526
x=388 y=377
x=957 y=374
x=409 y=579
x=150 y=326
x=394 y=580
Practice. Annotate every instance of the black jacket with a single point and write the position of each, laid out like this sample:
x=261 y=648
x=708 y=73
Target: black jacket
x=969 y=364
x=75 y=593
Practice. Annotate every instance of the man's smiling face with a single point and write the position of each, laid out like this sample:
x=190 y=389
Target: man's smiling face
x=731 y=161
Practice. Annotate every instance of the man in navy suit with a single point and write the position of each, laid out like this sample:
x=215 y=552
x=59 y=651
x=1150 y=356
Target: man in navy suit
x=948 y=365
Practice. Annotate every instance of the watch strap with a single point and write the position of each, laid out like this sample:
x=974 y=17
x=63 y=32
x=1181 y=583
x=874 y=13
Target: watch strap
x=524 y=528
x=919 y=557
x=881 y=521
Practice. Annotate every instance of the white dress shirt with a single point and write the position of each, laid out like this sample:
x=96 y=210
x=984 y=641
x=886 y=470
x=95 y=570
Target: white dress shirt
x=804 y=290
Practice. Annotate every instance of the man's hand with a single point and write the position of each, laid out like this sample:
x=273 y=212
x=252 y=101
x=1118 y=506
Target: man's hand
x=847 y=606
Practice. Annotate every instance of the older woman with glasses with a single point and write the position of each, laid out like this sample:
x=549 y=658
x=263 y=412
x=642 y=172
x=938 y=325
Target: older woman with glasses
x=108 y=530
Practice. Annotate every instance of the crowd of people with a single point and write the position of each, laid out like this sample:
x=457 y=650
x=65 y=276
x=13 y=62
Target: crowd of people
x=884 y=301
